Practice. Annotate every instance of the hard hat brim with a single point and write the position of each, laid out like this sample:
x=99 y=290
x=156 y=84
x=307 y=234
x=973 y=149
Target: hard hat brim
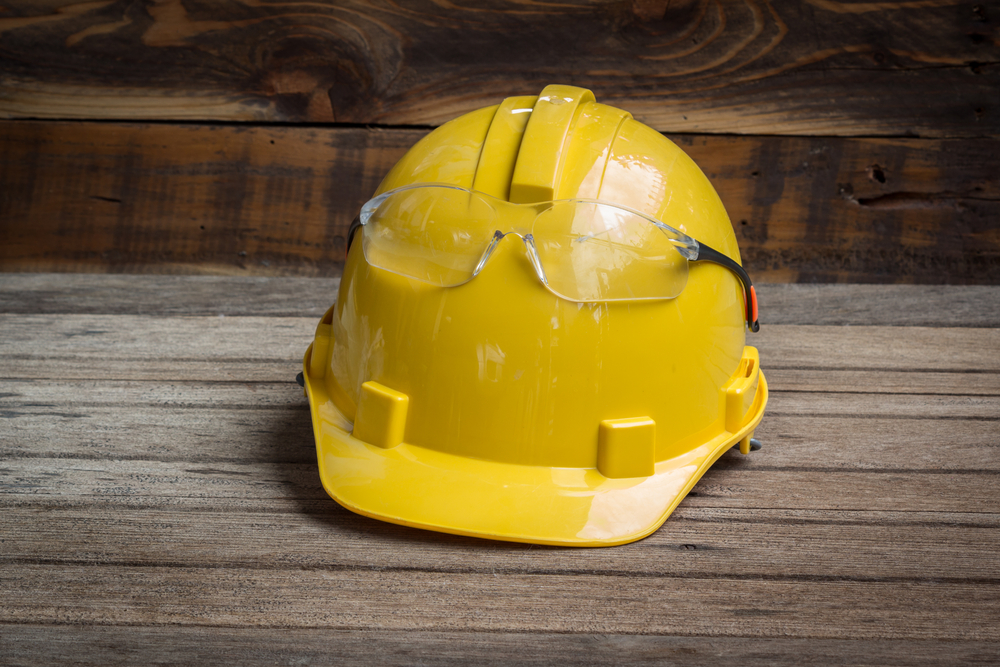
x=422 y=488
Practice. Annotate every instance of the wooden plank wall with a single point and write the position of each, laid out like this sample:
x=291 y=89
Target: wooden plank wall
x=850 y=141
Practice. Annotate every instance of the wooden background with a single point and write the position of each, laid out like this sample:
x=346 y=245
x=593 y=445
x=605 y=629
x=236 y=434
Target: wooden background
x=850 y=141
x=159 y=496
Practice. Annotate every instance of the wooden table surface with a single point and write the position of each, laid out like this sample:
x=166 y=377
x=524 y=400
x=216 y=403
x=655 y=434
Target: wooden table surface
x=162 y=504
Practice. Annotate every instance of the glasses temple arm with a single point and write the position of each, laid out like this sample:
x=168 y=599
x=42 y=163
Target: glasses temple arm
x=707 y=254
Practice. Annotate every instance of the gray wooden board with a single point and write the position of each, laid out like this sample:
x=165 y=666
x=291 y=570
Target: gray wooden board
x=19 y=367
x=121 y=340
x=695 y=542
x=89 y=645
x=155 y=484
x=55 y=396
x=284 y=435
x=111 y=294
x=85 y=293
x=578 y=602
x=157 y=471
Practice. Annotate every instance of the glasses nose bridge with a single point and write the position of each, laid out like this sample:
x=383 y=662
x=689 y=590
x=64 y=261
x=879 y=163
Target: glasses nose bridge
x=529 y=245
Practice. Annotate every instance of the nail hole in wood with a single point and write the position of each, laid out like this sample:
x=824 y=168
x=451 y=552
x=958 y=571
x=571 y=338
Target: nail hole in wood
x=876 y=173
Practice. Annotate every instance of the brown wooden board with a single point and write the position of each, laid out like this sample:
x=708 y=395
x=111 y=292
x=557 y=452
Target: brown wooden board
x=152 y=198
x=819 y=67
x=185 y=199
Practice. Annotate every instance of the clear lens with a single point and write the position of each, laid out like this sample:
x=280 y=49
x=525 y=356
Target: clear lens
x=582 y=250
x=596 y=252
x=436 y=234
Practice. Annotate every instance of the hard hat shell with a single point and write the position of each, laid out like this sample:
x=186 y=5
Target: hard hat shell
x=497 y=409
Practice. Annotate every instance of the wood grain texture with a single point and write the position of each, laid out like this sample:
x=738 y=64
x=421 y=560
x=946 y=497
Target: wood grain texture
x=415 y=600
x=780 y=303
x=151 y=198
x=45 y=645
x=163 y=432
x=818 y=67
x=286 y=487
x=166 y=295
x=236 y=394
x=697 y=542
x=168 y=198
x=161 y=501
x=118 y=341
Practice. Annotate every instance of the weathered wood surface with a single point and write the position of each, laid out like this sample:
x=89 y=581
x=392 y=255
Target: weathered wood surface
x=120 y=341
x=87 y=645
x=111 y=294
x=152 y=198
x=420 y=599
x=248 y=487
x=160 y=500
x=817 y=67
x=197 y=199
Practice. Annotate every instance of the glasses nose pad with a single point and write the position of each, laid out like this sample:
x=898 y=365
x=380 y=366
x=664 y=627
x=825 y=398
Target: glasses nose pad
x=497 y=237
x=529 y=243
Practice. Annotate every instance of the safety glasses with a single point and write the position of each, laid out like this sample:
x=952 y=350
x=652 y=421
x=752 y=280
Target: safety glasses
x=582 y=250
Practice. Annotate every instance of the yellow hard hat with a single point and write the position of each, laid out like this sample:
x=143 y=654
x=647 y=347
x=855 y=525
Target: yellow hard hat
x=540 y=331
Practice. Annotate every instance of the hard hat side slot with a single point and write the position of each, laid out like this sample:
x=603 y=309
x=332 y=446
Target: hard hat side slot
x=741 y=390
